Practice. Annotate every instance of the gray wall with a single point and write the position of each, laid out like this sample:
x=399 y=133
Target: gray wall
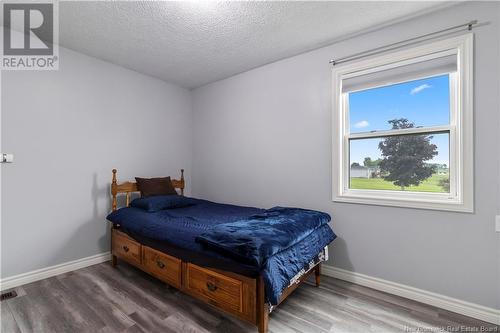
x=68 y=129
x=263 y=138
x=498 y=157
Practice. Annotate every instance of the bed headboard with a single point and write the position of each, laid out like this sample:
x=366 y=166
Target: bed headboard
x=130 y=187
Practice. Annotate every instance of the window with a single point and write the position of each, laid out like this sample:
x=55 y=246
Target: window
x=402 y=128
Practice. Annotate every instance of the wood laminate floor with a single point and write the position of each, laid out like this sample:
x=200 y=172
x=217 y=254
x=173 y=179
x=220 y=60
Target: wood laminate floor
x=101 y=299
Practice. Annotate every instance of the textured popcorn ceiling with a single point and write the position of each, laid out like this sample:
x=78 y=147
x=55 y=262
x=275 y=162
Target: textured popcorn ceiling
x=194 y=43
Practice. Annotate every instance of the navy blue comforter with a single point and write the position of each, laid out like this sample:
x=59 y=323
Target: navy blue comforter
x=255 y=239
x=284 y=240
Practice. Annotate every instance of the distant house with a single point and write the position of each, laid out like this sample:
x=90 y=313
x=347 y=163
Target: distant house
x=359 y=171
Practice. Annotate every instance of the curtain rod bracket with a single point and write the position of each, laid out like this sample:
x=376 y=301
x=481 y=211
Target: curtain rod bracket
x=471 y=24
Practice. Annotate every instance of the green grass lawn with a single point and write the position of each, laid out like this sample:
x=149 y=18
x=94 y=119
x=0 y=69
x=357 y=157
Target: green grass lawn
x=429 y=185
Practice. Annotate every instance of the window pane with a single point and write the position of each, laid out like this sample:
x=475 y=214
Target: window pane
x=423 y=102
x=415 y=163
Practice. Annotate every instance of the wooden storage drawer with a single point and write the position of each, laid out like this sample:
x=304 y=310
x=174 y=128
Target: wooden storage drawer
x=220 y=290
x=125 y=247
x=162 y=266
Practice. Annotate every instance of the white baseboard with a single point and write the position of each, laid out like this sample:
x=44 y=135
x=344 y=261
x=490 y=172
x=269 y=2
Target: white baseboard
x=441 y=301
x=43 y=273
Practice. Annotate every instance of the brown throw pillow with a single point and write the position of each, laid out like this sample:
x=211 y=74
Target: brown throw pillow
x=155 y=186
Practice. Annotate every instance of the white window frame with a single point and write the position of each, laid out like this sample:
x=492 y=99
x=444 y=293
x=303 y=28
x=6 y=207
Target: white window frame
x=461 y=196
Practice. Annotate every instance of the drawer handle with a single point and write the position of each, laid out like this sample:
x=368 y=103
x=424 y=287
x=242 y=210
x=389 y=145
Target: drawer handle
x=125 y=248
x=211 y=286
x=160 y=264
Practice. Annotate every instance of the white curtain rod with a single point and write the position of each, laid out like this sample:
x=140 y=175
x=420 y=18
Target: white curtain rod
x=399 y=44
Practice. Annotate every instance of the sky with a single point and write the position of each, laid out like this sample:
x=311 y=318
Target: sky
x=424 y=102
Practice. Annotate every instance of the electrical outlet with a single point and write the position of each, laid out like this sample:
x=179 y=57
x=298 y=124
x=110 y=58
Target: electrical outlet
x=497 y=223
x=6 y=158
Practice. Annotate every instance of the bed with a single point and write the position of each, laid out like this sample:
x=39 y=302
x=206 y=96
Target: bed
x=242 y=260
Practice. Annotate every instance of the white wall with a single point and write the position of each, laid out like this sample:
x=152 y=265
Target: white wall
x=68 y=129
x=263 y=138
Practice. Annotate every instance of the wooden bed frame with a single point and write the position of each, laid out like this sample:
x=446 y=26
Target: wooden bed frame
x=235 y=294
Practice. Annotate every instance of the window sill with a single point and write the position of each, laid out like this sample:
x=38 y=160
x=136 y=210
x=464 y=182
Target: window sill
x=430 y=201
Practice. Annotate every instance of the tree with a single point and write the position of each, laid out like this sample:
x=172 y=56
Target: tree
x=369 y=163
x=445 y=184
x=404 y=156
x=355 y=164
